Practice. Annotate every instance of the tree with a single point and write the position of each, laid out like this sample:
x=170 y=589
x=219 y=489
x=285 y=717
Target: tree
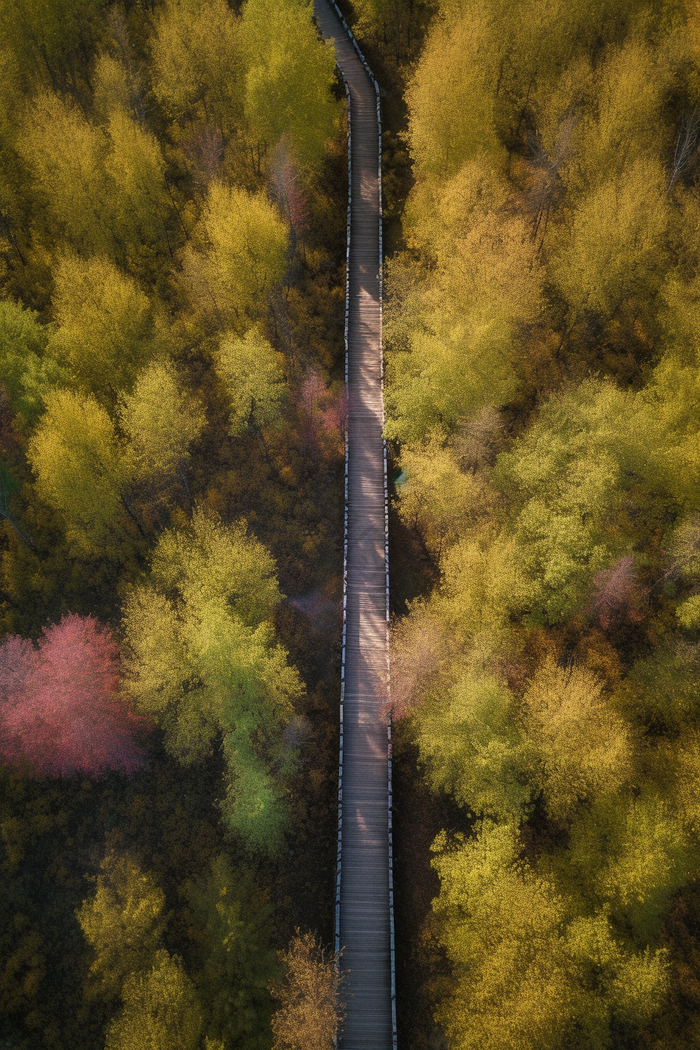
x=289 y=76
x=161 y=1010
x=569 y=495
x=501 y=925
x=614 y=247
x=254 y=379
x=244 y=258
x=631 y=856
x=437 y=498
x=118 y=84
x=123 y=923
x=203 y=660
x=232 y=918
x=52 y=39
x=106 y=330
x=161 y=422
x=617 y=594
x=27 y=372
x=83 y=470
x=66 y=153
x=198 y=62
x=310 y=1012
x=455 y=347
x=532 y=968
x=61 y=712
x=630 y=87
x=419 y=650
x=472 y=747
x=142 y=207
x=451 y=97
x=583 y=747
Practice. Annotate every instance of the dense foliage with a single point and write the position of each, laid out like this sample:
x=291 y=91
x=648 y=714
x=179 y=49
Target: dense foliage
x=542 y=375
x=171 y=285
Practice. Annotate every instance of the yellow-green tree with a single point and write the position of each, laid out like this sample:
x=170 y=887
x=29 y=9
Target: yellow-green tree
x=289 y=75
x=105 y=331
x=52 y=39
x=123 y=923
x=161 y=1010
x=451 y=98
x=531 y=968
x=198 y=63
x=27 y=371
x=252 y=372
x=613 y=250
x=141 y=206
x=472 y=747
x=582 y=747
x=83 y=470
x=243 y=256
x=439 y=499
x=161 y=422
x=65 y=154
x=203 y=660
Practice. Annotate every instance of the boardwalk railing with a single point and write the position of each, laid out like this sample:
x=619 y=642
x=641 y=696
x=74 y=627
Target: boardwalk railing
x=368 y=1039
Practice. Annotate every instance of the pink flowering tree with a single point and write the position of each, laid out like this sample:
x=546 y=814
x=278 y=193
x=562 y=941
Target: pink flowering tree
x=60 y=709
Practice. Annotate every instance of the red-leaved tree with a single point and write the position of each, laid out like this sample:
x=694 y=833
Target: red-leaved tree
x=60 y=711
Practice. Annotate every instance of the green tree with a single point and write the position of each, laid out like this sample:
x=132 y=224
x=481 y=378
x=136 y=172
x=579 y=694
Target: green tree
x=233 y=922
x=289 y=76
x=123 y=923
x=253 y=375
x=27 y=373
x=203 y=659
x=501 y=925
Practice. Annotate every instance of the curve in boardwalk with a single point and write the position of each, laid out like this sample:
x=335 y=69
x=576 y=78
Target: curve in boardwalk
x=364 y=888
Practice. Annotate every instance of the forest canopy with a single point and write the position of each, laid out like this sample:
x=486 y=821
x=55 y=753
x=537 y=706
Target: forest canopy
x=542 y=357
x=171 y=289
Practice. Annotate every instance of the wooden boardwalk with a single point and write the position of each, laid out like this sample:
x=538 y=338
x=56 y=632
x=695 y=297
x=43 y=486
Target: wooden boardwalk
x=364 y=904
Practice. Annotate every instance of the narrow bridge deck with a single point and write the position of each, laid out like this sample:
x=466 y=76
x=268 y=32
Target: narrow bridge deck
x=364 y=911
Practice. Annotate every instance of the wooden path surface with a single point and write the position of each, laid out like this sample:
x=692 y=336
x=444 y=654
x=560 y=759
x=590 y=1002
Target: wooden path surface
x=364 y=918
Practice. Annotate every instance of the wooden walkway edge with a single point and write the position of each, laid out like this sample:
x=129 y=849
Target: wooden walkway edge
x=364 y=881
